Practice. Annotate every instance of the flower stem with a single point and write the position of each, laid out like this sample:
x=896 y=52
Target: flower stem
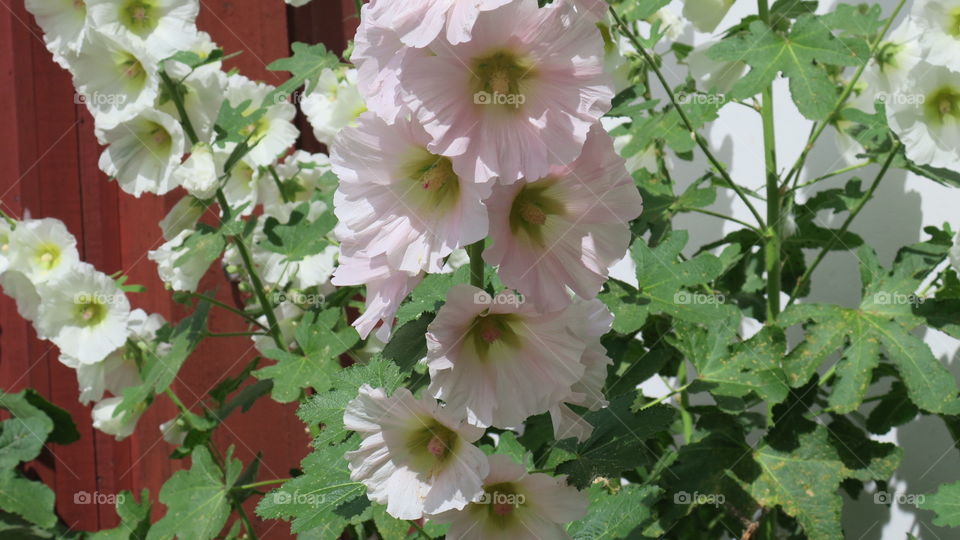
x=475 y=251
x=181 y=110
x=846 y=225
x=773 y=235
x=686 y=120
x=837 y=172
x=227 y=307
x=263 y=483
x=721 y=216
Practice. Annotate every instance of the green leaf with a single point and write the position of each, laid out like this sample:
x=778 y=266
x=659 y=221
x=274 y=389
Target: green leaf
x=430 y=294
x=197 y=500
x=409 y=343
x=305 y=66
x=861 y=20
x=64 y=430
x=615 y=515
x=749 y=367
x=662 y=280
x=320 y=348
x=946 y=504
x=298 y=238
x=21 y=440
x=134 y=518
x=616 y=443
x=30 y=500
x=800 y=56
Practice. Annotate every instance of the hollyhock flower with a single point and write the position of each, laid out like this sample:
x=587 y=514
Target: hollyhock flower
x=19 y=287
x=85 y=314
x=183 y=216
x=142 y=154
x=173 y=432
x=64 y=26
x=273 y=133
x=497 y=360
x=160 y=25
x=202 y=91
x=398 y=199
x=517 y=506
x=179 y=275
x=595 y=8
x=333 y=104
x=518 y=98
x=415 y=456
x=115 y=77
x=567 y=228
x=706 y=14
x=288 y=315
x=939 y=22
x=925 y=113
x=419 y=22
x=43 y=250
x=198 y=174
x=106 y=420
x=243 y=183
x=670 y=25
x=301 y=173
x=889 y=68
x=379 y=56
x=386 y=289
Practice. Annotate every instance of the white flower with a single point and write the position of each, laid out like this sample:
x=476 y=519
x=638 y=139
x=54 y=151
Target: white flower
x=671 y=25
x=163 y=26
x=178 y=275
x=5 y=232
x=173 y=432
x=288 y=315
x=386 y=289
x=120 y=426
x=498 y=361
x=939 y=21
x=64 y=26
x=706 y=14
x=117 y=78
x=517 y=506
x=112 y=374
x=43 y=250
x=415 y=457
x=895 y=57
x=198 y=174
x=925 y=113
x=203 y=89
x=242 y=185
x=184 y=215
x=955 y=253
x=142 y=154
x=300 y=173
x=273 y=133
x=85 y=314
x=24 y=293
x=333 y=104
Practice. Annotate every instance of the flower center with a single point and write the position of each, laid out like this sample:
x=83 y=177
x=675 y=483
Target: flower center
x=47 y=256
x=436 y=187
x=139 y=16
x=887 y=55
x=500 y=78
x=531 y=209
x=490 y=330
x=502 y=500
x=943 y=104
x=158 y=137
x=89 y=312
x=431 y=444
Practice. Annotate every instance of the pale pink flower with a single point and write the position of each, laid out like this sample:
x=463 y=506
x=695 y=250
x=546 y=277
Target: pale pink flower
x=418 y=22
x=517 y=506
x=415 y=457
x=518 y=98
x=497 y=360
x=596 y=8
x=567 y=228
x=386 y=289
x=399 y=200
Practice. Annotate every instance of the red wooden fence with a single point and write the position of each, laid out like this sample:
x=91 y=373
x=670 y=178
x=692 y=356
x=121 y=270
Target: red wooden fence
x=48 y=166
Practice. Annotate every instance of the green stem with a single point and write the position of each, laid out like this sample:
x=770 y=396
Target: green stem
x=701 y=142
x=844 y=96
x=176 y=401
x=359 y=5
x=846 y=225
x=837 y=172
x=181 y=110
x=227 y=307
x=722 y=216
x=475 y=251
x=774 y=228
x=661 y=399
x=7 y=218
x=265 y=304
x=419 y=529
x=263 y=483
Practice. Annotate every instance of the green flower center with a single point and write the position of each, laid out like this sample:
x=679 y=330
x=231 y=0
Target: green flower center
x=139 y=16
x=943 y=104
x=256 y=130
x=500 y=78
x=953 y=23
x=491 y=329
x=531 y=209
x=502 y=502
x=435 y=186
x=887 y=55
x=157 y=137
x=80 y=7
x=47 y=256
x=132 y=73
x=89 y=312
x=432 y=444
